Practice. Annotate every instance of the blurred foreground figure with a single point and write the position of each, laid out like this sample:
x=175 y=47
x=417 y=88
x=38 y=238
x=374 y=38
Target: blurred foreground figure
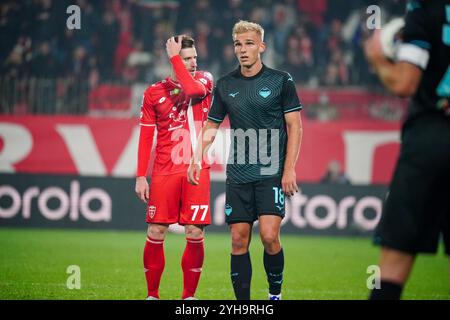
x=417 y=209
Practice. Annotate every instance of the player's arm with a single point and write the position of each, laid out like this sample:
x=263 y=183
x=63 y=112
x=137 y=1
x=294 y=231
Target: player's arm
x=206 y=138
x=145 y=146
x=291 y=109
x=294 y=139
x=147 y=131
x=207 y=135
x=401 y=78
x=190 y=85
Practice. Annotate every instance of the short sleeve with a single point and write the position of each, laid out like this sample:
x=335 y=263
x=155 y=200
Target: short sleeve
x=218 y=110
x=289 y=98
x=207 y=80
x=416 y=44
x=148 y=115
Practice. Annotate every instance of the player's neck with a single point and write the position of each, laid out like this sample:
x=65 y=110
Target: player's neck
x=173 y=78
x=252 y=70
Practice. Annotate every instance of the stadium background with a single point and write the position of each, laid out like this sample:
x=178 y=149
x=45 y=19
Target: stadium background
x=69 y=104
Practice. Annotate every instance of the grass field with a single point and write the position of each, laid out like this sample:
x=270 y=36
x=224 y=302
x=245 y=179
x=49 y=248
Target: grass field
x=33 y=265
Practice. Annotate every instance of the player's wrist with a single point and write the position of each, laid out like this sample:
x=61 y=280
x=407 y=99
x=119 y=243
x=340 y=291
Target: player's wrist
x=195 y=162
x=288 y=168
x=379 y=62
x=288 y=171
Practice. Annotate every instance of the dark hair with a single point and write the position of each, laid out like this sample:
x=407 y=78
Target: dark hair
x=186 y=42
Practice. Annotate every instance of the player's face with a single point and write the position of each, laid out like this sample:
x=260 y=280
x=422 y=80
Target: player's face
x=189 y=56
x=247 y=47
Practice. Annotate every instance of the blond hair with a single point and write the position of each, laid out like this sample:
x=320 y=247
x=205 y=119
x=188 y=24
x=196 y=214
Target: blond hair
x=245 y=26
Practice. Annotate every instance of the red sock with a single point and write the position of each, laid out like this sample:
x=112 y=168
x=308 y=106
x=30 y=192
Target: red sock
x=153 y=265
x=192 y=263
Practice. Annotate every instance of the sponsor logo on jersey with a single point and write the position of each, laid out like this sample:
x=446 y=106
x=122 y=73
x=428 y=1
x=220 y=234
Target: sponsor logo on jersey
x=202 y=80
x=162 y=100
x=233 y=94
x=175 y=92
x=265 y=92
x=178 y=117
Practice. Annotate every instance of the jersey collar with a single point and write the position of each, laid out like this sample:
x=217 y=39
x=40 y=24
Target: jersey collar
x=173 y=82
x=252 y=77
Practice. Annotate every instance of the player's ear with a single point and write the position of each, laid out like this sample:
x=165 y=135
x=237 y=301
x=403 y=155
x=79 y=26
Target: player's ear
x=262 y=47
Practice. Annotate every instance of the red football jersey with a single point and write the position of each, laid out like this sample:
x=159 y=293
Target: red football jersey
x=178 y=115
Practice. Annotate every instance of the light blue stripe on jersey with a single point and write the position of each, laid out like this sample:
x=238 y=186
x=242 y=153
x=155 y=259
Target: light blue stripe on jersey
x=214 y=119
x=293 y=109
x=422 y=44
x=413 y=5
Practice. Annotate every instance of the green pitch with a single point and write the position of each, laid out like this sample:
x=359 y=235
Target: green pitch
x=33 y=265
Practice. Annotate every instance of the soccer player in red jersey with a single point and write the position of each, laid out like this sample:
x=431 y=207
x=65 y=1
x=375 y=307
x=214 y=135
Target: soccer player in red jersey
x=177 y=107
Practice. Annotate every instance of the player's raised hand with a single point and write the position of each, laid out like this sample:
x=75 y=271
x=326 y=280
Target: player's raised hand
x=173 y=47
x=289 y=183
x=193 y=173
x=142 y=189
x=372 y=47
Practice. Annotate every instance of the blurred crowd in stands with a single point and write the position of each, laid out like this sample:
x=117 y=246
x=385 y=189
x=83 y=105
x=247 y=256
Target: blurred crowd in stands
x=123 y=41
x=318 y=41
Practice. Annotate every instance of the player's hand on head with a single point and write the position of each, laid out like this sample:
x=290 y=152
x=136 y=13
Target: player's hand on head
x=193 y=174
x=173 y=47
x=289 y=183
x=142 y=189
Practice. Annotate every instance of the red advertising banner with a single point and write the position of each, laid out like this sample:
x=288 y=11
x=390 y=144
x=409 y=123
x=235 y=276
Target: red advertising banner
x=86 y=146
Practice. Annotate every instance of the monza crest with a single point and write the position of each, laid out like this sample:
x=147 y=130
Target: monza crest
x=151 y=211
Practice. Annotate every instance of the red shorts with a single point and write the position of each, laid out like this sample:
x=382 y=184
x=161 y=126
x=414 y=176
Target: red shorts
x=174 y=200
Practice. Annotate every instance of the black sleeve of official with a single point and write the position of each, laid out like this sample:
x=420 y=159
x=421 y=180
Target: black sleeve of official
x=416 y=41
x=415 y=30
